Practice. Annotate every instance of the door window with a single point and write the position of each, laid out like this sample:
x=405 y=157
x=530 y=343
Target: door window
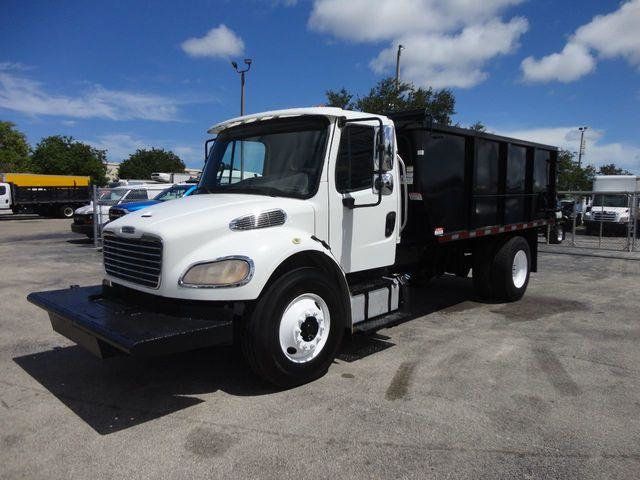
x=354 y=166
x=137 y=195
x=3 y=190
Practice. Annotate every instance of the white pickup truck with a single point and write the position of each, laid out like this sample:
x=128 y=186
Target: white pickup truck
x=309 y=224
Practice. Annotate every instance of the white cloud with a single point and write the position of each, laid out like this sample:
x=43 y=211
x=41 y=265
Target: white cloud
x=447 y=42
x=598 y=152
x=606 y=36
x=220 y=42
x=572 y=63
x=28 y=96
x=452 y=60
x=120 y=145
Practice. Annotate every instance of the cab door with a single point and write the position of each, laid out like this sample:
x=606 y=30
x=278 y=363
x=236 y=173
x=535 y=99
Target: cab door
x=362 y=237
x=5 y=196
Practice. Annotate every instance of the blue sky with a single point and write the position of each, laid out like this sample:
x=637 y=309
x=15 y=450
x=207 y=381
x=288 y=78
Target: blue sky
x=125 y=75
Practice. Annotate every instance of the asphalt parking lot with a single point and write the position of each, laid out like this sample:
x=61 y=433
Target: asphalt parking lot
x=548 y=387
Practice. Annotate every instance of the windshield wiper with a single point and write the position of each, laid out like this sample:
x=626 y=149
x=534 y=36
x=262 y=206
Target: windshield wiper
x=200 y=189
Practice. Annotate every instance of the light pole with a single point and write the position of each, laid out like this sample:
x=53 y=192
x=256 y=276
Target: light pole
x=582 y=146
x=247 y=62
x=400 y=48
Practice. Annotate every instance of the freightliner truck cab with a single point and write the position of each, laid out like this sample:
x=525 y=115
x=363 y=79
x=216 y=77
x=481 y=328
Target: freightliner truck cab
x=291 y=240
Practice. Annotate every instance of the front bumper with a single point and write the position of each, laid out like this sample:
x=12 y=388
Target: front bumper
x=108 y=321
x=83 y=229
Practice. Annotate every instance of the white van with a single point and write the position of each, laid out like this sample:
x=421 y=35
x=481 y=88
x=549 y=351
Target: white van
x=83 y=216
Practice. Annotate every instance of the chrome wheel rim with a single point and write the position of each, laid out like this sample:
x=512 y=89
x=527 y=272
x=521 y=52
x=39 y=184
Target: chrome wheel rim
x=519 y=268
x=304 y=328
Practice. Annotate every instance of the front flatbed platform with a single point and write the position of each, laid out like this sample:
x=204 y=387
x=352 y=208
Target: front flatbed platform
x=107 y=326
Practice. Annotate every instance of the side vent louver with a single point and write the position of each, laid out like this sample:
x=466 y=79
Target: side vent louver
x=269 y=218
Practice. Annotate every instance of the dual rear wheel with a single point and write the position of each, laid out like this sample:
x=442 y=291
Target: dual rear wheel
x=502 y=274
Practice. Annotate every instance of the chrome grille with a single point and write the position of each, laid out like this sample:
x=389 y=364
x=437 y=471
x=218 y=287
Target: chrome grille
x=269 y=218
x=604 y=216
x=137 y=260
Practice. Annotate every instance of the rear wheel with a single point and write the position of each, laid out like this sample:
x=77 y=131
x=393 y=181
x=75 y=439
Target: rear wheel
x=66 y=211
x=295 y=330
x=510 y=270
x=557 y=233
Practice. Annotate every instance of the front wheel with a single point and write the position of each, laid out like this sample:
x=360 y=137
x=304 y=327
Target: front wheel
x=295 y=330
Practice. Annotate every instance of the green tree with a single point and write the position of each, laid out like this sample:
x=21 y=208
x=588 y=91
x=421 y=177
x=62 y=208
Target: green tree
x=144 y=162
x=571 y=176
x=612 y=169
x=63 y=155
x=341 y=98
x=478 y=127
x=386 y=97
x=14 y=149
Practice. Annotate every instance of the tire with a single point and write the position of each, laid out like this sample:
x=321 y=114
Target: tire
x=277 y=346
x=66 y=211
x=482 y=260
x=510 y=270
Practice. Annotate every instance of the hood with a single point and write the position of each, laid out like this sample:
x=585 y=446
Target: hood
x=135 y=206
x=211 y=213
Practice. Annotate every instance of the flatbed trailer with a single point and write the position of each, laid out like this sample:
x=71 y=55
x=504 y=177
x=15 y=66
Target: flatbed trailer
x=332 y=221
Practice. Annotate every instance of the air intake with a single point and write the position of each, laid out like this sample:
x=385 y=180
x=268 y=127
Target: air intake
x=270 y=218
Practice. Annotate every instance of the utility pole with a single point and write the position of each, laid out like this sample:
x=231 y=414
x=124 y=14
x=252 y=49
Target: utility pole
x=582 y=146
x=247 y=62
x=400 y=48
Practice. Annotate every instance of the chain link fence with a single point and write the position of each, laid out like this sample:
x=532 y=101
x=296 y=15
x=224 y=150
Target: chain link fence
x=596 y=220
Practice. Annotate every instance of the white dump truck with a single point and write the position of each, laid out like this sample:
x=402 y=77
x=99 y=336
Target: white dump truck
x=309 y=224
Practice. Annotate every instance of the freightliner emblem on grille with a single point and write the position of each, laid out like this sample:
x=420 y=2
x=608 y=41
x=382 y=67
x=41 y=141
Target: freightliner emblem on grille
x=128 y=229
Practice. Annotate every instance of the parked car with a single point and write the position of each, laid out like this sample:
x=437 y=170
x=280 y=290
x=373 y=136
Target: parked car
x=83 y=216
x=171 y=193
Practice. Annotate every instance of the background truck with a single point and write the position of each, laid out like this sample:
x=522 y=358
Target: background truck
x=48 y=195
x=171 y=177
x=614 y=205
x=342 y=214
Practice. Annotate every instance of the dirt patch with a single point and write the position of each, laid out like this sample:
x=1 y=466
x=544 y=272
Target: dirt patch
x=399 y=386
x=207 y=443
x=535 y=307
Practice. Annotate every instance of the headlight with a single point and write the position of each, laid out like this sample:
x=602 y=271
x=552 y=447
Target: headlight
x=587 y=215
x=624 y=219
x=225 y=272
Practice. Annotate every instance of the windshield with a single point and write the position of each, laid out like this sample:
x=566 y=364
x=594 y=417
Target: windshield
x=280 y=157
x=111 y=197
x=172 y=193
x=610 y=201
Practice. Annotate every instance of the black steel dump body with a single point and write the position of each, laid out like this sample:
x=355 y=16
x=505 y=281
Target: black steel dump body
x=108 y=321
x=462 y=181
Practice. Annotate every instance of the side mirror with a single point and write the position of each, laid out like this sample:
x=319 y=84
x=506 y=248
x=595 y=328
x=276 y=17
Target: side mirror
x=383 y=184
